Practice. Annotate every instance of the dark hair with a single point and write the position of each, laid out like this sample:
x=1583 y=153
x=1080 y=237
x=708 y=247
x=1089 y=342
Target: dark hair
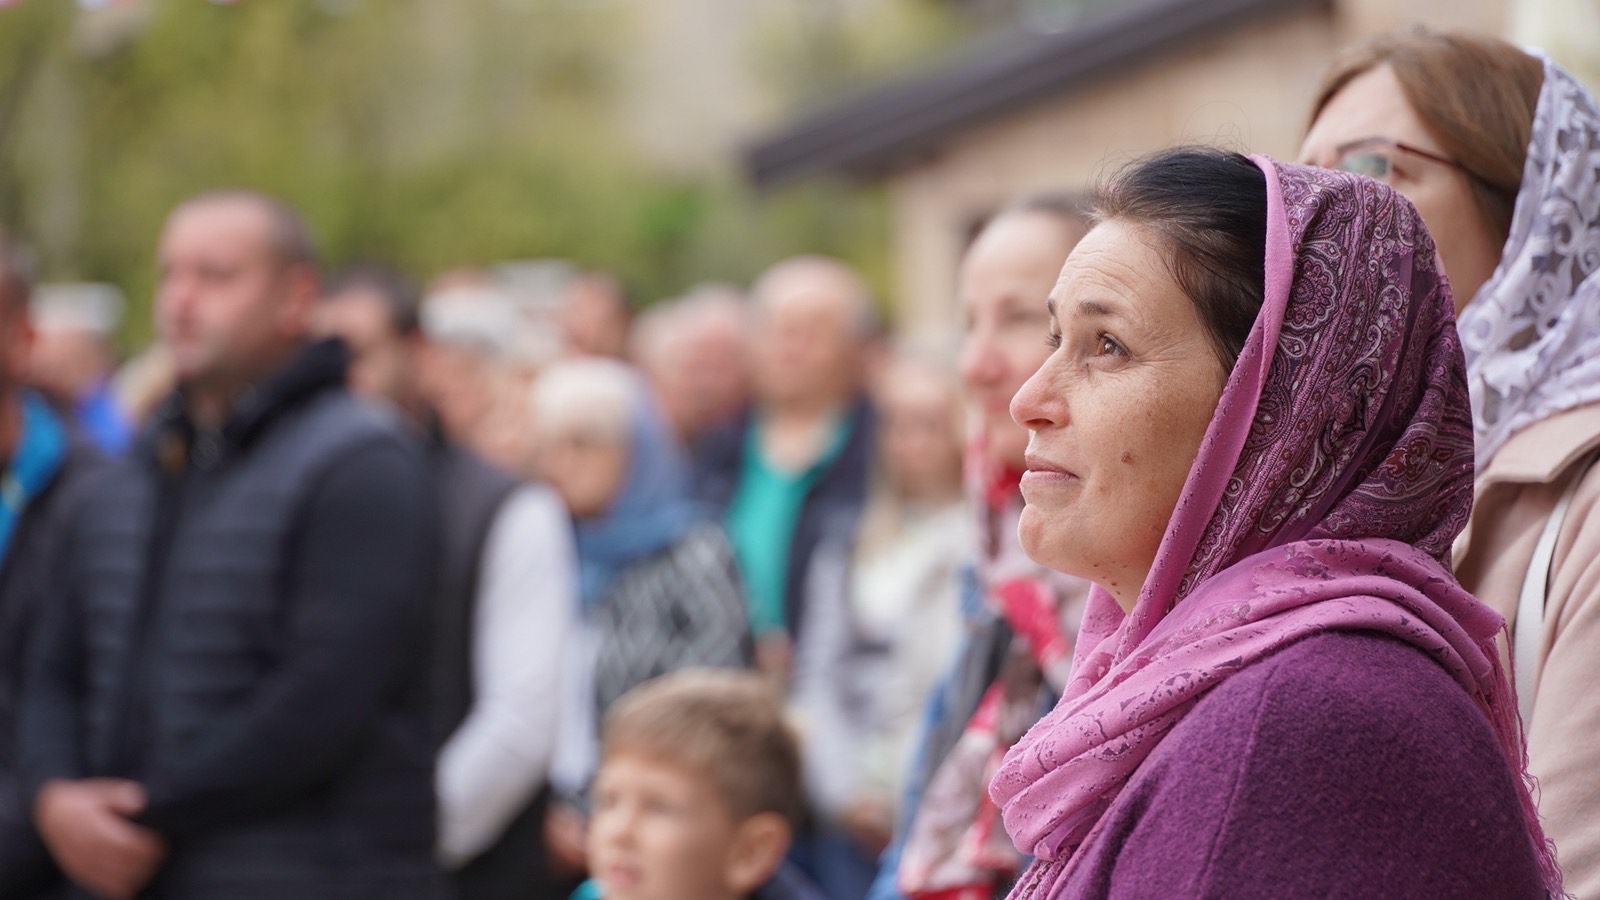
x=399 y=294
x=16 y=276
x=1210 y=209
x=1475 y=94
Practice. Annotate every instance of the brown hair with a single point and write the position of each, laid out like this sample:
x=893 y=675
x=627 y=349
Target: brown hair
x=1475 y=94
x=723 y=724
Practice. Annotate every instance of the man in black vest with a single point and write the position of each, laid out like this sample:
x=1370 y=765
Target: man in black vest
x=45 y=466
x=506 y=593
x=230 y=698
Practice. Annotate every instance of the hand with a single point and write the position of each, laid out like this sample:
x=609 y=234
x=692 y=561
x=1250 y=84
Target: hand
x=775 y=656
x=85 y=825
x=870 y=824
x=566 y=833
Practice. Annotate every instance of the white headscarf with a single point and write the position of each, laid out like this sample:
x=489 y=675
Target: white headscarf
x=1532 y=334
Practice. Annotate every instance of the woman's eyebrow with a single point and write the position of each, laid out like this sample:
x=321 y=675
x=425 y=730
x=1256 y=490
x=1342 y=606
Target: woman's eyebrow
x=1093 y=309
x=1098 y=310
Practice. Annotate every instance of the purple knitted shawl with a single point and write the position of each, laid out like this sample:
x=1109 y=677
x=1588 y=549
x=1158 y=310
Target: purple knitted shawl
x=1331 y=482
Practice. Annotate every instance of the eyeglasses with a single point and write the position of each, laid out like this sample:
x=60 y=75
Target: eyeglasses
x=1371 y=157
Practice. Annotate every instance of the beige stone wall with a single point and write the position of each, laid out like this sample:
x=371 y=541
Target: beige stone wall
x=1245 y=89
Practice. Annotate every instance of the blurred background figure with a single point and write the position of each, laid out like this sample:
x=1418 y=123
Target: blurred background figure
x=795 y=464
x=1021 y=619
x=46 y=469
x=503 y=603
x=143 y=382
x=468 y=370
x=695 y=351
x=659 y=589
x=699 y=793
x=229 y=679
x=596 y=315
x=884 y=621
x=1500 y=152
x=73 y=358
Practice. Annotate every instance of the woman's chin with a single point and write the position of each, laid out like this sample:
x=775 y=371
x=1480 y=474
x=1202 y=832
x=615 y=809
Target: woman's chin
x=1042 y=542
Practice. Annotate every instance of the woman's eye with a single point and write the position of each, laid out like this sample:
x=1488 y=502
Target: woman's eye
x=1108 y=346
x=1053 y=340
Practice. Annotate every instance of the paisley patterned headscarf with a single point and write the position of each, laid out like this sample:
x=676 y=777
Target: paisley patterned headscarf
x=1532 y=333
x=1332 y=479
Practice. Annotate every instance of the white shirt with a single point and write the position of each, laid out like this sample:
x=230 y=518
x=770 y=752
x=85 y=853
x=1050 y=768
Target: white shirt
x=499 y=756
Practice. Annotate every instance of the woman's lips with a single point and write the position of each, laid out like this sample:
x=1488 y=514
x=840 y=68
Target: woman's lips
x=1042 y=471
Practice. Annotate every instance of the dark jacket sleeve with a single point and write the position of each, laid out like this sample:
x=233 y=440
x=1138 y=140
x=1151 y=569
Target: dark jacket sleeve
x=361 y=572
x=50 y=716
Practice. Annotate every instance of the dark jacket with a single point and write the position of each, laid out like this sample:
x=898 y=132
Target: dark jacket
x=29 y=577
x=471 y=494
x=837 y=495
x=245 y=634
x=789 y=884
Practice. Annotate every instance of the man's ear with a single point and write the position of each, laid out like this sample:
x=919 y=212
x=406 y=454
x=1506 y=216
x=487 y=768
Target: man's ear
x=759 y=845
x=16 y=348
x=302 y=295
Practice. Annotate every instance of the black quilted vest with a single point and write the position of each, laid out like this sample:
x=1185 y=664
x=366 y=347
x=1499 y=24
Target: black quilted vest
x=185 y=597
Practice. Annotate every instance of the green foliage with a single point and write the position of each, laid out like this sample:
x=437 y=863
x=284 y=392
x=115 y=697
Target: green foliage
x=431 y=135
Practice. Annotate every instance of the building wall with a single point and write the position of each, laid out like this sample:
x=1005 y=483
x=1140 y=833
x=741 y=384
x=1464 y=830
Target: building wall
x=1246 y=89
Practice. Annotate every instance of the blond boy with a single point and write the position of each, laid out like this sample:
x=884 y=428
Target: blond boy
x=698 y=792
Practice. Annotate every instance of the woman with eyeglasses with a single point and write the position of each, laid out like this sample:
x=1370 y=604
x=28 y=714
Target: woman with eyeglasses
x=1500 y=152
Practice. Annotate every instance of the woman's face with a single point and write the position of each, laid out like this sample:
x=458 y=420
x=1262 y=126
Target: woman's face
x=1373 y=105
x=919 y=435
x=585 y=466
x=1117 y=412
x=1003 y=280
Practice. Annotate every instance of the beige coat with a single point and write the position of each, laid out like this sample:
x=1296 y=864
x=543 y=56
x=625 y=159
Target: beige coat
x=1515 y=496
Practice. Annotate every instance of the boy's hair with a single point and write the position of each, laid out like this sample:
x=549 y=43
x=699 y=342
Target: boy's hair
x=724 y=724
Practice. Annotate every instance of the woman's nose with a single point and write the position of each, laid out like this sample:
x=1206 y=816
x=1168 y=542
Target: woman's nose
x=980 y=363
x=1036 y=405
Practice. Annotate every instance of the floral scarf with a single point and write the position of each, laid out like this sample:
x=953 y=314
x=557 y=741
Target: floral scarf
x=1532 y=333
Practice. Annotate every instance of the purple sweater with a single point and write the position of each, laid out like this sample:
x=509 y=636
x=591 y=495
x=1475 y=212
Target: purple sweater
x=1347 y=765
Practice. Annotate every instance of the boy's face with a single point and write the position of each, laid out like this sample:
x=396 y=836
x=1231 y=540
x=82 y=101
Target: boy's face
x=662 y=832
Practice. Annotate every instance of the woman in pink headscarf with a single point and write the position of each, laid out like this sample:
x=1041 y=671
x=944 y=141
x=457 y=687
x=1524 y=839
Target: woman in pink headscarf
x=1254 y=437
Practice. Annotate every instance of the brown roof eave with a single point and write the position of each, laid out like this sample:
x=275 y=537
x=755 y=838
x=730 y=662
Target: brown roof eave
x=876 y=132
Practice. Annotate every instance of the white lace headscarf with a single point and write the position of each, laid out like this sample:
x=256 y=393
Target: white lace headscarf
x=1532 y=334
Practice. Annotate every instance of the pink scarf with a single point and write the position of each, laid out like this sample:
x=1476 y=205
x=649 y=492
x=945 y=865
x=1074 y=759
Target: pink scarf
x=1329 y=486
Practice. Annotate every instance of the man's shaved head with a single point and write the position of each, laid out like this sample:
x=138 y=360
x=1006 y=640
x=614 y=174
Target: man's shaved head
x=287 y=239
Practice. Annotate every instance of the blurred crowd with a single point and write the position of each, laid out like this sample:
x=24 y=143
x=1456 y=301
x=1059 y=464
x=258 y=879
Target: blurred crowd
x=353 y=587
x=530 y=496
